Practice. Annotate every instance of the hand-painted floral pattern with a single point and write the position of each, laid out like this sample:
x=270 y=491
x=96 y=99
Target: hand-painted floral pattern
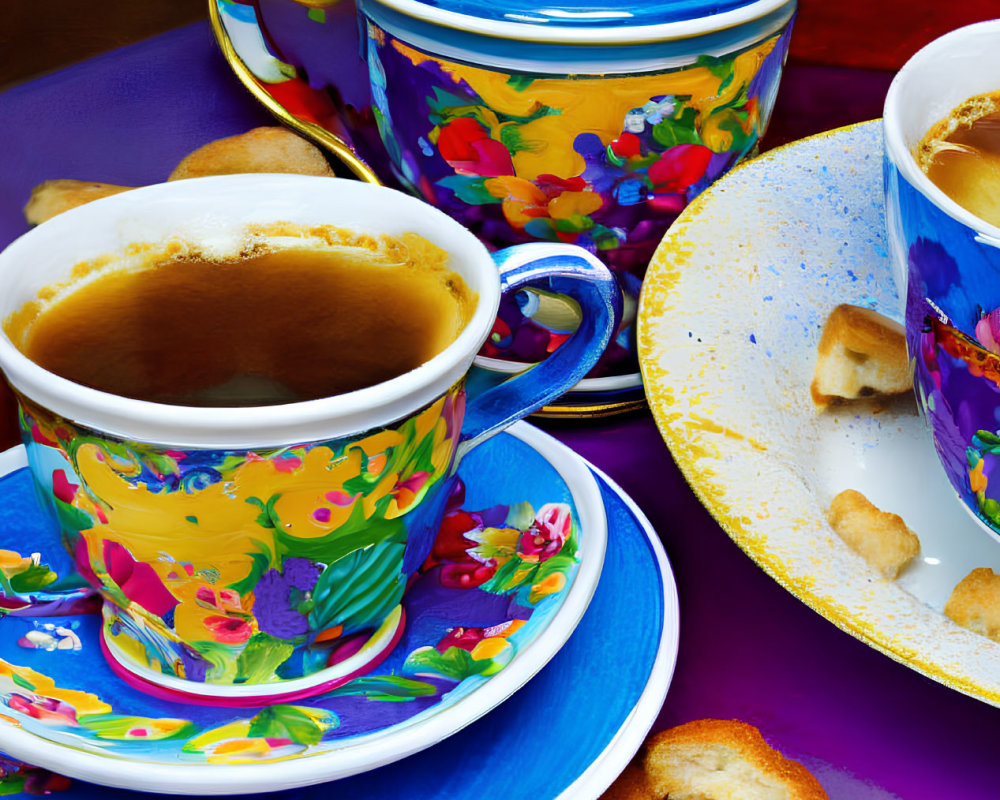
x=604 y=162
x=953 y=376
x=475 y=639
x=16 y=777
x=318 y=541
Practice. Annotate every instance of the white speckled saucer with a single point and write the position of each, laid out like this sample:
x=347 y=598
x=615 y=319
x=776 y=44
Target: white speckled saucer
x=729 y=319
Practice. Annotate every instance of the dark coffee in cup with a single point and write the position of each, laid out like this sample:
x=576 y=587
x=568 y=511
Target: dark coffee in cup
x=961 y=156
x=287 y=319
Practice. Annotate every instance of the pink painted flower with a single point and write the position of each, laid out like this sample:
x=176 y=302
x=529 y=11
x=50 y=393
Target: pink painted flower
x=44 y=709
x=62 y=488
x=464 y=638
x=406 y=490
x=137 y=580
x=467 y=147
x=988 y=331
x=547 y=533
x=678 y=168
x=229 y=629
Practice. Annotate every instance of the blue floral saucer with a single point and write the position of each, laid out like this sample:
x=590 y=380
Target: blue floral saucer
x=466 y=649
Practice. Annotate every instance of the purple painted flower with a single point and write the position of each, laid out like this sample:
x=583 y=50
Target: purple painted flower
x=195 y=667
x=277 y=595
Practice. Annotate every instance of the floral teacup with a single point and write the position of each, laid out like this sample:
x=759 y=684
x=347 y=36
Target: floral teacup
x=262 y=552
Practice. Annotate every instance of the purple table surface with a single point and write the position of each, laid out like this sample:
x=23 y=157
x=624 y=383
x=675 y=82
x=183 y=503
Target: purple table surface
x=868 y=727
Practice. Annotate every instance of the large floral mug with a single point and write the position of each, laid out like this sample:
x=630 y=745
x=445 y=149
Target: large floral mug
x=591 y=124
x=262 y=552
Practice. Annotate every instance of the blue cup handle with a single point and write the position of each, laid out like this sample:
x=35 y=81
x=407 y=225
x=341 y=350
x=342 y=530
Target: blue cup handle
x=564 y=269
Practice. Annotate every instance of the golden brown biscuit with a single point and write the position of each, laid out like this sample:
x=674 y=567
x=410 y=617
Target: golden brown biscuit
x=268 y=149
x=860 y=354
x=53 y=197
x=975 y=603
x=714 y=759
x=879 y=537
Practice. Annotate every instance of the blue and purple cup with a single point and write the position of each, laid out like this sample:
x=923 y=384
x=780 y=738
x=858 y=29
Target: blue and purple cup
x=946 y=264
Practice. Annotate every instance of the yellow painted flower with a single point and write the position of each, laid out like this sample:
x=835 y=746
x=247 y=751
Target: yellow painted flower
x=977 y=480
x=555 y=582
x=13 y=563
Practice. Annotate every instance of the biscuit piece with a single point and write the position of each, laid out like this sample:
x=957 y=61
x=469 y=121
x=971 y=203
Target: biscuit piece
x=716 y=759
x=861 y=353
x=268 y=149
x=53 y=197
x=975 y=603
x=879 y=537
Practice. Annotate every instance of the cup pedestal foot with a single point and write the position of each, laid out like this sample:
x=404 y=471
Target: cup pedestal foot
x=172 y=687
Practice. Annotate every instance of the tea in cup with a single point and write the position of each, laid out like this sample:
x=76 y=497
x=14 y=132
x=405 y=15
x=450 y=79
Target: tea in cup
x=961 y=156
x=941 y=162
x=244 y=400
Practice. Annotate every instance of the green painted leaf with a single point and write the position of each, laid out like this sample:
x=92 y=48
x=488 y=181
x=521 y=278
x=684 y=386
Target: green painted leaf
x=520 y=82
x=469 y=189
x=359 y=590
x=987 y=437
x=264 y=518
x=35 y=577
x=719 y=67
x=261 y=563
x=354 y=533
x=300 y=725
x=71 y=518
x=386 y=688
x=679 y=129
x=455 y=663
x=261 y=656
x=24 y=683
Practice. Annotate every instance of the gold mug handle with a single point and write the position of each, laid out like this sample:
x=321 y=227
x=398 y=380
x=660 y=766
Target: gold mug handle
x=337 y=146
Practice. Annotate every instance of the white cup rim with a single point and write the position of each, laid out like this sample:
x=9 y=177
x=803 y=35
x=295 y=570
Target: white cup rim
x=257 y=426
x=586 y=35
x=896 y=147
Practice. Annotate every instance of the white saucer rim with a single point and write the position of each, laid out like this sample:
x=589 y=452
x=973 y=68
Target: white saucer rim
x=596 y=779
x=354 y=758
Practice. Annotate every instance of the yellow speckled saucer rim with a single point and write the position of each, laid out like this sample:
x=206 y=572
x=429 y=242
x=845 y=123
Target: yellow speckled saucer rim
x=661 y=275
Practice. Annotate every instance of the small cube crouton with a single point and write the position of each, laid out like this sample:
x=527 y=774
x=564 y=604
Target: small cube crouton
x=861 y=353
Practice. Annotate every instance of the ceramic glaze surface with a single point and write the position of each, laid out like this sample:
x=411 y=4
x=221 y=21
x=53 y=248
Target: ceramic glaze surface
x=731 y=316
x=603 y=162
x=587 y=13
x=68 y=712
x=237 y=567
